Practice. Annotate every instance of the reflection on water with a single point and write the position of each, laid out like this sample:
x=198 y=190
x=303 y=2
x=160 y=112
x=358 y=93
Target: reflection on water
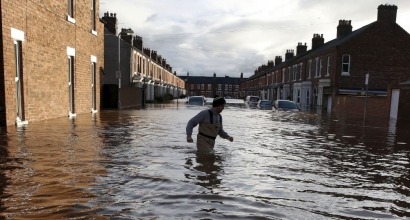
x=137 y=165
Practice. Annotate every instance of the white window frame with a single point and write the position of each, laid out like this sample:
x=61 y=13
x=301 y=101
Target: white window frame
x=344 y=73
x=328 y=66
x=70 y=11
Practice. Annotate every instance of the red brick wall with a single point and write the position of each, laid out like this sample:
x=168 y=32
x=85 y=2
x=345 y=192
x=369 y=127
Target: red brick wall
x=45 y=66
x=404 y=104
x=355 y=105
x=382 y=51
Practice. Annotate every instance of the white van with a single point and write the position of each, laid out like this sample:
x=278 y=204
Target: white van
x=252 y=100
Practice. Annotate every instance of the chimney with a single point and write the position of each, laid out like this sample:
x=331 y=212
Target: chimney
x=214 y=75
x=153 y=55
x=278 y=60
x=137 y=42
x=241 y=75
x=387 y=13
x=164 y=62
x=300 y=49
x=270 y=63
x=126 y=37
x=147 y=51
x=317 y=41
x=344 y=27
x=289 y=54
x=110 y=22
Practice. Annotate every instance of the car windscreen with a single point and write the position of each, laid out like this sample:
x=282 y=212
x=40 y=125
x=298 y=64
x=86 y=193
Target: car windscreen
x=196 y=99
x=253 y=99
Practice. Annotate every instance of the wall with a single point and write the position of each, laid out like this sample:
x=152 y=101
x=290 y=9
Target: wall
x=47 y=35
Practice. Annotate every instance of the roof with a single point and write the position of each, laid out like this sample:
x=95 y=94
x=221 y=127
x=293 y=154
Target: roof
x=210 y=80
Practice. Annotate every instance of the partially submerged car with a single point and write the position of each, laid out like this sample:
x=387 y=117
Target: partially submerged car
x=285 y=105
x=196 y=100
x=265 y=104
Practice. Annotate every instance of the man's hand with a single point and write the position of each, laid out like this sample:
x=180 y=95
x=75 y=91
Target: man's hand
x=189 y=140
x=230 y=138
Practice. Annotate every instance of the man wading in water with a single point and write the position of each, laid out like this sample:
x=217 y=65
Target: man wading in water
x=210 y=126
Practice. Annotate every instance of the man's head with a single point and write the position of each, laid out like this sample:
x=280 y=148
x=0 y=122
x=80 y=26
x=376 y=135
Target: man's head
x=218 y=104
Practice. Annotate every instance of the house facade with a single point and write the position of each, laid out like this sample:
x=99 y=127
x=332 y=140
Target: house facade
x=134 y=74
x=52 y=56
x=354 y=73
x=213 y=86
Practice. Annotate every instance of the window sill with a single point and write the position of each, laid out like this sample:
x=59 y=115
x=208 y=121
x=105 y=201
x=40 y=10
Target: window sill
x=70 y=19
x=94 y=32
x=345 y=74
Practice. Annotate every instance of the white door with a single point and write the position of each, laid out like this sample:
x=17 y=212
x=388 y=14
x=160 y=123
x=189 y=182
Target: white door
x=394 y=105
x=329 y=104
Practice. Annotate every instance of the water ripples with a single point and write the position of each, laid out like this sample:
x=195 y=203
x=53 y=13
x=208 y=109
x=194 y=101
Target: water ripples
x=137 y=165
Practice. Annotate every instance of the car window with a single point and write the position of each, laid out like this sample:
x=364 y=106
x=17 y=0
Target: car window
x=285 y=104
x=254 y=99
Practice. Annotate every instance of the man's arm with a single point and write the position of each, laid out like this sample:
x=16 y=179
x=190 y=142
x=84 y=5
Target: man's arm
x=193 y=122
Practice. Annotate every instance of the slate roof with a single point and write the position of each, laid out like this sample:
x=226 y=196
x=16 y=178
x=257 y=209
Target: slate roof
x=210 y=80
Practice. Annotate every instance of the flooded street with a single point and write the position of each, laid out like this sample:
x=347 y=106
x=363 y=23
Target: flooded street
x=136 y=164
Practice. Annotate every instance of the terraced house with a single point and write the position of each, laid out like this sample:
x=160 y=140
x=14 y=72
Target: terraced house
x=134 y=74
x=52 y=56
x=365 y=70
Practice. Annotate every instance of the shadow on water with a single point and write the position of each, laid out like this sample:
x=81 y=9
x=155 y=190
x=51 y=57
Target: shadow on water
x=209 y=167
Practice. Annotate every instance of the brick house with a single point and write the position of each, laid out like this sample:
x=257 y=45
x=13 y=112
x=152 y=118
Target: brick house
x=213 y=86
x=332 y=75
x=52 y=55
x=139 y=74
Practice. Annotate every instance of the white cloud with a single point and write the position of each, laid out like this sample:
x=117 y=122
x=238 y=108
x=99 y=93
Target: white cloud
x=229 y=37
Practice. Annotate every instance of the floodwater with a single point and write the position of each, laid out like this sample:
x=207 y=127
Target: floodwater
x=136 y=164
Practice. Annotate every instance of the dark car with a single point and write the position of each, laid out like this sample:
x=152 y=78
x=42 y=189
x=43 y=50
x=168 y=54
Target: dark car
x=285 y=105
x=264 y=104
x=196 y=100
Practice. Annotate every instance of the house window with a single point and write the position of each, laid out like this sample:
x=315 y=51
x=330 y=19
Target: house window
x=209 y=86
x=328 y=66
x=70 y=11
x=230 y=87
x=198 y=86
x=283 y=75
x=317 y=68
x=219 y=87
x=93 y=26
x=320 y=68
x=346 y=65
x=237 y=88
x=226 y=87
x=289 y=73
x=310 y=69
x=192 y=86
x=202 y=86
x=295 y=69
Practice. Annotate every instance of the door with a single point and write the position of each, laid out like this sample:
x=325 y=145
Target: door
x=394 y=105
x=19 y=81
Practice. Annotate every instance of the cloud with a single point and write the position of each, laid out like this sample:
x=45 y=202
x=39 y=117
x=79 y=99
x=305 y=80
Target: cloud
x=231 y=37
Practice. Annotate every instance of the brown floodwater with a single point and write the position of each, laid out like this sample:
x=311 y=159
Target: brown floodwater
x=136 y=164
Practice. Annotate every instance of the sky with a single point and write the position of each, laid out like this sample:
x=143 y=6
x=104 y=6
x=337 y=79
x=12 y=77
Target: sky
x=230 y=37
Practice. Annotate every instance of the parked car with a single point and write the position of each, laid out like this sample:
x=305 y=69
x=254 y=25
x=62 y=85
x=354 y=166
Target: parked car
x=252 y=100
x=264 y=104
x=285 y=105
x=196 y=100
